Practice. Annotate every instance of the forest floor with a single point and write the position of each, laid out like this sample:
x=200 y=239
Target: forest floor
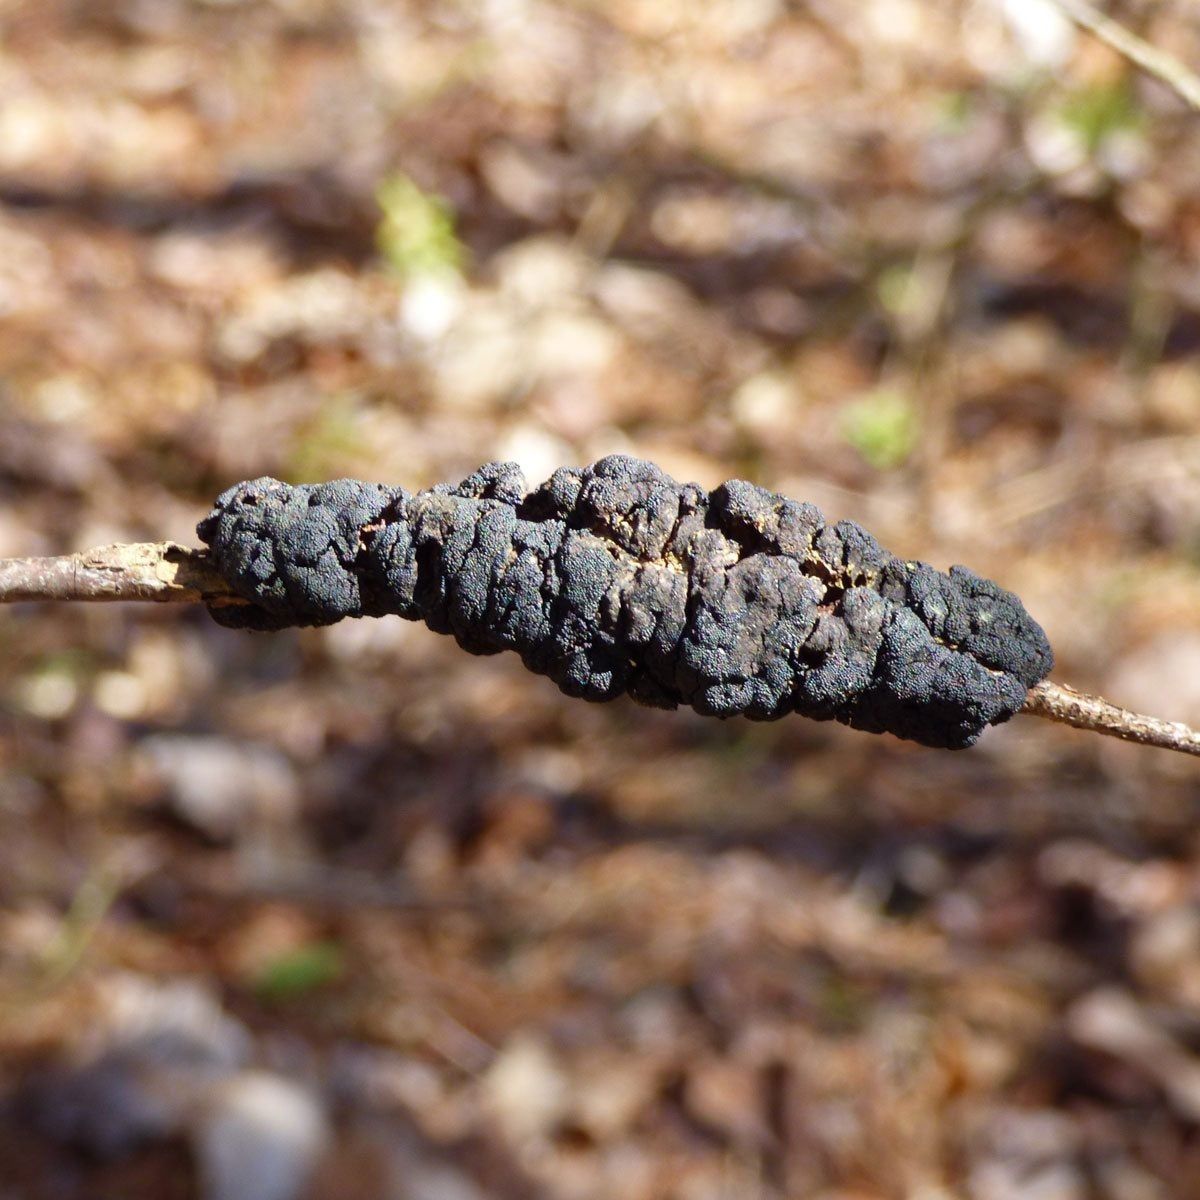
x=350 y=914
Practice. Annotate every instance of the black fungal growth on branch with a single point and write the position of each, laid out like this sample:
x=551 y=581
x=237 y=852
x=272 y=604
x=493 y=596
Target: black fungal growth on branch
x=615 y=579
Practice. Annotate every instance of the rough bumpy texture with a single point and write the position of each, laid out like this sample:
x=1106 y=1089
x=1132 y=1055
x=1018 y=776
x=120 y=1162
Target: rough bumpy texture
x=616 y=579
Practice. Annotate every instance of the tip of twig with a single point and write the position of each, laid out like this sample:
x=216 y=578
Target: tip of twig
x=1058 y=702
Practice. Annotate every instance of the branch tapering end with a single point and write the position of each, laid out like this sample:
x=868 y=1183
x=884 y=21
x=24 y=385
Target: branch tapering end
x=1058 y=702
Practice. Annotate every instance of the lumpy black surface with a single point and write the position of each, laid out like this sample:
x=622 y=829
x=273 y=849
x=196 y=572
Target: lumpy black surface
x=615 y=579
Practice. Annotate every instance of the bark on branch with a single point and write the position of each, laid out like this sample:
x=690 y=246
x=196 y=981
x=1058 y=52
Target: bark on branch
x=161 y=571
x=167 y=572
x=1058 y=702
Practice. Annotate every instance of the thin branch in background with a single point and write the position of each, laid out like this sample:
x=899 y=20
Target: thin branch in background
x=169 y=573
x=1164 y=67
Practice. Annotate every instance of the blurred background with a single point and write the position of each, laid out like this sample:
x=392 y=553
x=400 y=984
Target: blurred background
x=348 y=913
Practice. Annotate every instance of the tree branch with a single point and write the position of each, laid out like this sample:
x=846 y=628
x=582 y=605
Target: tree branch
x=1058 y=702
x=162 y=571
x=1164 y=67
x=170 y=573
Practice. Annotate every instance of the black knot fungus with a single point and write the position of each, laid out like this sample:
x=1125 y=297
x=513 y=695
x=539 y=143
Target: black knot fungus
x=615 y=579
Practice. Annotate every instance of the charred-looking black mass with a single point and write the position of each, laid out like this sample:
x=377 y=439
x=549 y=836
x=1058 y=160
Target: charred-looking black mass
x=614 y=579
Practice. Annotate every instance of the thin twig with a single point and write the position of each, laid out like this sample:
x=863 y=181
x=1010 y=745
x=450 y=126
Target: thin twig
x=161 y=571
x=1058 y=702
x=170 y=573
x=1163 y=66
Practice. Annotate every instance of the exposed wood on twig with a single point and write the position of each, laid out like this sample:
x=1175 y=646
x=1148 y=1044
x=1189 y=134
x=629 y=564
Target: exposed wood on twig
x=162 y=571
